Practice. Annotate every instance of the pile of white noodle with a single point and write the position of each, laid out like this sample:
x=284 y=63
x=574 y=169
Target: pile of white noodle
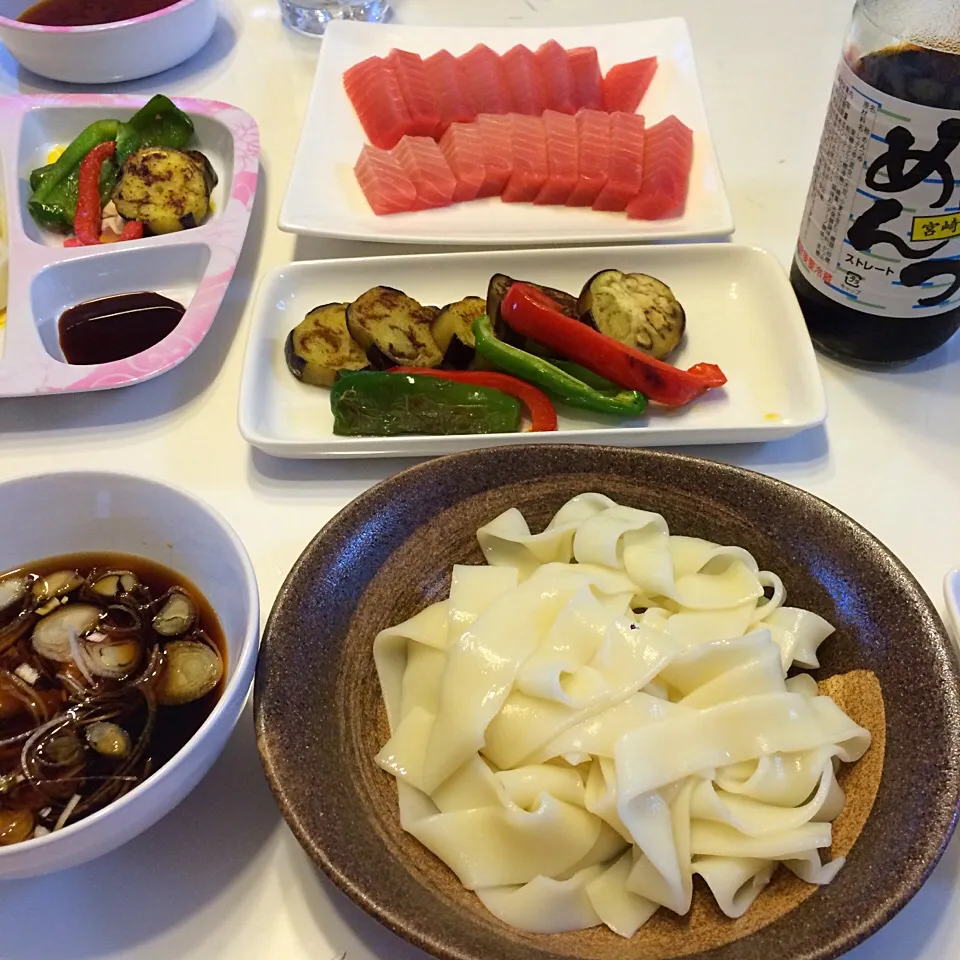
x=575 y=762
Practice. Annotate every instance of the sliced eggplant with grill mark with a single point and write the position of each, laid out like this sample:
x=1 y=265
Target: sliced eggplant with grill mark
x=320 y=345
x=453 y=331
x=635 y=309
x=393 y=329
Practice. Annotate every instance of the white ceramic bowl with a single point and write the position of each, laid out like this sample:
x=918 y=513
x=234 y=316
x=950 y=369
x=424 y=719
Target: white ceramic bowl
x=109 y=52
x=77 y=512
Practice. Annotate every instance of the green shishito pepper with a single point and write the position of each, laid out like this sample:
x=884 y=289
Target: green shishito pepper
x=160 y=122
x=550 y=378
x=375 y=404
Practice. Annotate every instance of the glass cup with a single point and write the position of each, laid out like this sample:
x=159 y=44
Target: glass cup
x=312 y=16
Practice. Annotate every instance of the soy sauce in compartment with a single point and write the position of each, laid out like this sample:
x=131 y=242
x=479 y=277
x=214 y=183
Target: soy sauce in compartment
x=74 y=739
x=114 y=328
x=930 y=77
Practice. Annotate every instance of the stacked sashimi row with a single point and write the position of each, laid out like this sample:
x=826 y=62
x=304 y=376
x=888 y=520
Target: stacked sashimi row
x=404 y=95
x=607 y=161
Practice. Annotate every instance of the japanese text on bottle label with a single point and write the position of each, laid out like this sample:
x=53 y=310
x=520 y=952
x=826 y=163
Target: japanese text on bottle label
x=881 y=228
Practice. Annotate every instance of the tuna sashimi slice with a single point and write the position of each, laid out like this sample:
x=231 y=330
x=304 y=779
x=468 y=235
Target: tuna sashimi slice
x=529 y=142
x=486 y=82
x=587 y=78
x=562 y=154
x=626 y=83
x=496 y=140
x=383 y=182
x=593 y=143
x=426 y=166
x=450 y=86
x=376 y=96
x=417 y=92
x=626 y=162
x=462 y=145
x=554 y=67
x=523 y=78
x=665 y=182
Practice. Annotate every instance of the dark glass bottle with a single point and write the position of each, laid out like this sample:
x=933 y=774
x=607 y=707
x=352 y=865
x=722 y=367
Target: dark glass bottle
x=877 y=265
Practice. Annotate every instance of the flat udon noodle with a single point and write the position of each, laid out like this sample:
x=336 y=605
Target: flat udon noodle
x=575 y=762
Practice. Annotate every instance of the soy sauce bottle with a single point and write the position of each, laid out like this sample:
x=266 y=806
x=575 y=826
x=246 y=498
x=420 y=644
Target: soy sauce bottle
x=877 y=264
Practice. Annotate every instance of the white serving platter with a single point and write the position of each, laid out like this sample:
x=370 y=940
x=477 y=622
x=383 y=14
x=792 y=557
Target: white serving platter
x=193 y=267
x=741 y=314
x=323 y=199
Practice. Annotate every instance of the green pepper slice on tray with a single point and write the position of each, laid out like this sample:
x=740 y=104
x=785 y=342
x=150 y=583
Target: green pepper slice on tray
x=551 y=378
x=375 y=404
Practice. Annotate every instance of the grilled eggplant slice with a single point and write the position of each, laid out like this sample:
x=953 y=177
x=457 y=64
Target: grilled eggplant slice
x=165 y=189
x=320 y=345
x=453 y=331
x=393 y=329
x=635 y=309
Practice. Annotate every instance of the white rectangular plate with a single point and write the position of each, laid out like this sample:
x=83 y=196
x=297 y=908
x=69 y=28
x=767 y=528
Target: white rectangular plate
x=323 y=198
x=741 y=314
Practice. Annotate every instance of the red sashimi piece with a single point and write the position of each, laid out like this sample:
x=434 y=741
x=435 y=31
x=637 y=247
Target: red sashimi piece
x=462 y=145
x=417 y=92
x=562 y=157
x=593 y=143
x=486 y=82
x=626 y=162
x=423 y=162
x=447 y=81
x=376 y=96
x=587 y=78
x=626 y=83
x=496 y=139
x=668 y=157
x=524 y=80
x=383 y=182
x=529 y=142
x=554 y=67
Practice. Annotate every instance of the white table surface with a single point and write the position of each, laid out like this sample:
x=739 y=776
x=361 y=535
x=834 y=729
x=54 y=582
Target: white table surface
x=223 y=877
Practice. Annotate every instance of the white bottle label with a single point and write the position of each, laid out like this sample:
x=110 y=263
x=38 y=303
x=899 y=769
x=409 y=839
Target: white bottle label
x=881 y=228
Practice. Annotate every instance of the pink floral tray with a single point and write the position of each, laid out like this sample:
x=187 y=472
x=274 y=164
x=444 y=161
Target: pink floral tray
x=192 y=267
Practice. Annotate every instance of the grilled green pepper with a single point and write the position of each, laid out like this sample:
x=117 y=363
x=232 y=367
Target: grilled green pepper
x=590 y=378
x=377 y=404
x=161 y=123
x=550 y=378
x=54 y=199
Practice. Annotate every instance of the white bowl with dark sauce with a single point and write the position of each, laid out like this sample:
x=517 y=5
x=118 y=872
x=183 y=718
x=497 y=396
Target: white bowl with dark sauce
x=124 y=49
x=102 y=516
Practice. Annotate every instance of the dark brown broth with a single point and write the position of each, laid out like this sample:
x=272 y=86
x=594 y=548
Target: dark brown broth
x=175 y=725
x=85 y=13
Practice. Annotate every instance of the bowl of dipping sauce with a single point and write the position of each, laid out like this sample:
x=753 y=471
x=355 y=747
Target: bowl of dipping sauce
x=104 y=41
x=129 y=630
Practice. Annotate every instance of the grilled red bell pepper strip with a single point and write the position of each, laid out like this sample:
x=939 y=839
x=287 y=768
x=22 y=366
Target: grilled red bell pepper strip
x=543 y=417
x=89 y=216
x=533 y=314
x=132 y=230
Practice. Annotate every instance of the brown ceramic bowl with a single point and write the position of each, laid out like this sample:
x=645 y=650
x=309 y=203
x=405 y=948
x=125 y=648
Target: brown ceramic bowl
x=320 y=720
